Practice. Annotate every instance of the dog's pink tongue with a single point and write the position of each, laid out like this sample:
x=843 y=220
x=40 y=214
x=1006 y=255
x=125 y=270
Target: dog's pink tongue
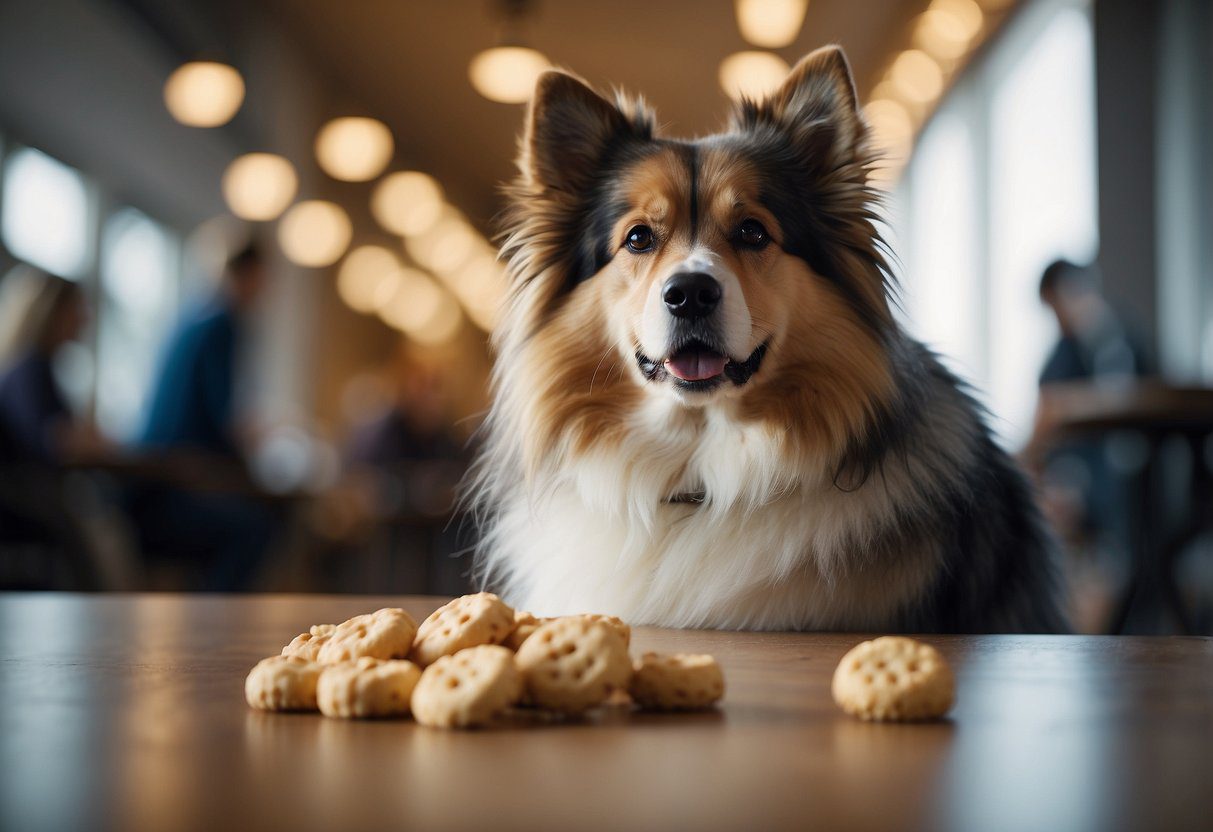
x=696 y=365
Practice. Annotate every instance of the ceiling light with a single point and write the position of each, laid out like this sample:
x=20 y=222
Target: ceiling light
x=917 y=76
x=407 y=202
x=770 y=23
x=354 y=149
x=966 y=15
x=442 y=326
x=259 y=186
x=940 y=35
x=752 y=74
x=480 y=286
x=314 y=233
x=507 y=73
x=892 y=129
x=449 y=244
x=368 y=277
x=204 y=93
x=421 y=309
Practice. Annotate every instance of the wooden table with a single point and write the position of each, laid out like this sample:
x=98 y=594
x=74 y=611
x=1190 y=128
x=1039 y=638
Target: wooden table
x=127 y=712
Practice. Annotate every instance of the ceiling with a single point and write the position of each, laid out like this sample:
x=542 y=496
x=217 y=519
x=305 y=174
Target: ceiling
x=405 y=62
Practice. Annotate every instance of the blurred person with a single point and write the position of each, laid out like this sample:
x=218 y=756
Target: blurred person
x=39 y=314
x=1082 y=494
x=1094 y=344
x=412 y=427
x=192 y=404
x=402 y=464
x=192 y=416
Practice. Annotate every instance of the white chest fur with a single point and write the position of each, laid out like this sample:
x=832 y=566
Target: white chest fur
x=772 y=547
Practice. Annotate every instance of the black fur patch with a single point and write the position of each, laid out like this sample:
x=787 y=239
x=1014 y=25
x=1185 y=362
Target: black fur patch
x=587 y=230
x=790 y=171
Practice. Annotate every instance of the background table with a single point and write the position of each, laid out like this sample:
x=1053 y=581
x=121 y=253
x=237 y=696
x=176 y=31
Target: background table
x=127 y=712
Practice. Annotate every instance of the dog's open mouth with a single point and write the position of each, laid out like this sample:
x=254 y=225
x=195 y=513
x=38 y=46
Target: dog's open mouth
x=699 y=366
x=696 y=362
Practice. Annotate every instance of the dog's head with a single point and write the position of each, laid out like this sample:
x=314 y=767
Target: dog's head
x=739 y=270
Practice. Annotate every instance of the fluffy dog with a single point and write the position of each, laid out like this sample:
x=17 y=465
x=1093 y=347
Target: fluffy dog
x=705 y=414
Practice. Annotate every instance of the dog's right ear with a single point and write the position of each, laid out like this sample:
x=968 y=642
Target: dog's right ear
x=570 y=129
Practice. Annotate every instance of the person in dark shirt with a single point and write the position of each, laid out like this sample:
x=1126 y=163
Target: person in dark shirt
x=1094 y=344
x=1082 y=493
x=192 y=413
x=39 y=313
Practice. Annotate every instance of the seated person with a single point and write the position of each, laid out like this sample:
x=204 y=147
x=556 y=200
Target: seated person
x=39 y=314
x=191 y=414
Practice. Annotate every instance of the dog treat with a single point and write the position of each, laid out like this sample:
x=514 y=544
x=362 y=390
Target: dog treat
x=676 y=682
x=307 y=645
x=383 y=634
x=283 y=683
x=894 y=678
x=473 y=659
x=367 y=688
x=465 y=622
x=467 y=689
x=524 y=625
x=616 y=624
x=572 y=664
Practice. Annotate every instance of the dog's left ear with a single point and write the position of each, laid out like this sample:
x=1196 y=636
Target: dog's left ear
x=818 y=93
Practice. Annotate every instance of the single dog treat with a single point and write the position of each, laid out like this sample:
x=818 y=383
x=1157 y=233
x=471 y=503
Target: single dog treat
x=524 y=625
x=283 y=683
x=367 y=688
x=894 y=678
x=574 y=663
x=307 y=645
x=384 y=634
x=467 y=689
x=616 y=624
x=465 y=622
x=680 y=681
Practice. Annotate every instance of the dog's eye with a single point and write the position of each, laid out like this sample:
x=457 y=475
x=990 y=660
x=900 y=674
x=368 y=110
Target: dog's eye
x=640 y=238
x=752 y=234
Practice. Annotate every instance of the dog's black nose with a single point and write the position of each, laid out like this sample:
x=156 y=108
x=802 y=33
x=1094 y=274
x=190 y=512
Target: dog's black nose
x=691 y=294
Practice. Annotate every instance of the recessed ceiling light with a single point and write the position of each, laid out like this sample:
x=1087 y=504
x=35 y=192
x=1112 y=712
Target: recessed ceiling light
x=259 y=186
x=770 y=23
x=204 y=93
x=314 y=233
x=752 y=74
x=354 y=149
x=507 y=73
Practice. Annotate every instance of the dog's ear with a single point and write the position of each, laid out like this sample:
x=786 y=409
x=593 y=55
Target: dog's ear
x=818 y=93
x=570 y=129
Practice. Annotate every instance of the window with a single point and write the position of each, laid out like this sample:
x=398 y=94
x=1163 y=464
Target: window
x=943 y=300
x=1042 y=201
x=139 y=268
x=45 y=213
x=1002 y=182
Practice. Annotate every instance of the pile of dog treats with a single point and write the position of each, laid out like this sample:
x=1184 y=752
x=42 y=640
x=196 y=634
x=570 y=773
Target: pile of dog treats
x=470 y=662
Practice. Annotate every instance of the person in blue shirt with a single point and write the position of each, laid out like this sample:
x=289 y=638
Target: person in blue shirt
x=192 y=417
x=192 y=401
